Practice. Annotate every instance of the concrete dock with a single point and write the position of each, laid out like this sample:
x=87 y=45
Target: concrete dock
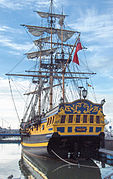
x=106 y=153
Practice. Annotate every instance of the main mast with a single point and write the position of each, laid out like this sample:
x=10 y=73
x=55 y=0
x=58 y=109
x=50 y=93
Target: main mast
x=51 y=69
x=63 y=87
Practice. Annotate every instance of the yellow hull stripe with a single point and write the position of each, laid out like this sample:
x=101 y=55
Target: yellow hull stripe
x=35 y=169
x=35 y=144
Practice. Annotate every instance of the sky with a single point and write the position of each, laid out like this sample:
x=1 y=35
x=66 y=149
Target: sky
x=94 y=19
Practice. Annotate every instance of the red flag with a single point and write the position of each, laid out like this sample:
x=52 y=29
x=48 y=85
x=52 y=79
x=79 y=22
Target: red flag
x=89 y=85
x=78 y=47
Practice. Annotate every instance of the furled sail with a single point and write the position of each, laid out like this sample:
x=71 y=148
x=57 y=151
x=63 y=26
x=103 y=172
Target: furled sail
x=39 y=41
x=35 y=32
x=40 y=53
x=38 y=31
x=66 y=35
x=61 y=17
x=46 y=14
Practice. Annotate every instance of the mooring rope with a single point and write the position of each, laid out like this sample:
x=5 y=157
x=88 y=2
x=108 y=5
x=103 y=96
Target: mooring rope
x=67 y=162
x=70 y=163
x=14 y=101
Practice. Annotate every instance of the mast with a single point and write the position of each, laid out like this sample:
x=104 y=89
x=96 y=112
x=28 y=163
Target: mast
x=63 y=86
x=51 y=70
x=40 y=81
x=54 y=54
x=39 y=102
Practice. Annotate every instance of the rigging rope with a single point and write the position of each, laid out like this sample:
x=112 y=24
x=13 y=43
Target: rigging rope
x=30 y=37
x=93 y=91
x=16 y=64
x=74 y=82
x=65 y=97
x=70 y=163
x=45 y=99
x=79 y=75
x=14 y=101
x=17 y=90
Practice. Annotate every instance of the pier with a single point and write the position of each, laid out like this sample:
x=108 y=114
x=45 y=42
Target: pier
x=108 y=154
x=9 y=134
x=13 y=138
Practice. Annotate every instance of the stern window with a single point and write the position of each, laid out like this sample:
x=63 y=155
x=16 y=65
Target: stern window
x=48 y=121
x=53 y=119
x=84 y=118
x=91 y=119
x=98 y=119
x=42 y=127
x=90 y=129
x=69 y=129
x=63 y=119
x=77 y=118
x=70 y=118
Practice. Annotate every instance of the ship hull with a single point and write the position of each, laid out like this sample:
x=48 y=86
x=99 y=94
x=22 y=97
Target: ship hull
x=36 y=143
x=63 y=146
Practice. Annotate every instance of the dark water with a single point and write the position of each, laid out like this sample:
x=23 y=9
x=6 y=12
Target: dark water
x=29 y=166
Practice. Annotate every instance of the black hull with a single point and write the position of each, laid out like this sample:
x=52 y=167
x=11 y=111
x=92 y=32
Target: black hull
x=109 y=143
x=39 y=151
x=63 y=146
x=29 y=143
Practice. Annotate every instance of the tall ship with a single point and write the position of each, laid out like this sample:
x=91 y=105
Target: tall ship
x=57 y=121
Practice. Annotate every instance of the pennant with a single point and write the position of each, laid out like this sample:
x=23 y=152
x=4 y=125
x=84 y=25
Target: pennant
x=78 y=47
x=89 y=85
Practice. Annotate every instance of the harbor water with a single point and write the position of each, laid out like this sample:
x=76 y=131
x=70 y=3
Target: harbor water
x=18 y=164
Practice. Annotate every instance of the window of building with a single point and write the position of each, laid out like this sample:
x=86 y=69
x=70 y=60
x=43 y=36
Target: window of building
x=91 y=119
x=42 y=127
x=48 y=121
x=70 y=118
x=84 y=118
x=97 y=119
x=98 y=129
x=77 y=118
x=53 y=119
x=63 y=119
x=90 y=129
x=69 y=129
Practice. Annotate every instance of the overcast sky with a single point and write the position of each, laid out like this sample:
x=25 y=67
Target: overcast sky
x=94 y=19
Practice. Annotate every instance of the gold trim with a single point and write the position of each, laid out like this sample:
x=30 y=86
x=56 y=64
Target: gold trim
x=35 y=169
x=35 y=144
x=82 y=100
